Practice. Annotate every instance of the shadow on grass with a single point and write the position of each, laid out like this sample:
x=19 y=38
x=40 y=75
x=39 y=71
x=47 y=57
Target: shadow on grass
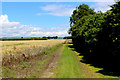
x=105 y=71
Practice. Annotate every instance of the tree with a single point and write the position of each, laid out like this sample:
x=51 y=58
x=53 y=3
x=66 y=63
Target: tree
x=76 y=21
x=110 y=41
x=96 y=35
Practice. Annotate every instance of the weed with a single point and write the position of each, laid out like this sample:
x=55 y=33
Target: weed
x=7 y=72
x=25 y=66
x=21 y=63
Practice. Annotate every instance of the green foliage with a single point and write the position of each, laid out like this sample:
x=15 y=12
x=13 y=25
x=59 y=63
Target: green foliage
x=52 y=49
x=23 y=65
x=7 y=72
x=97 y=35
x=81 y=11
x=67 y=37
x=49 y=37
x=32 y=38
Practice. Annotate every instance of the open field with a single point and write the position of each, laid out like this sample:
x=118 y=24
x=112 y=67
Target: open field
x=17 y=51
x=18 y=46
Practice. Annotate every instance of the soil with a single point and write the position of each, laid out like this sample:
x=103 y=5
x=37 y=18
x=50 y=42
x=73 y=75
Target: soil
x=53 y=64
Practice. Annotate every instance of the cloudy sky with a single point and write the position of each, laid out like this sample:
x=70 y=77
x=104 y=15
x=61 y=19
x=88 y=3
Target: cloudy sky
x=37 y=19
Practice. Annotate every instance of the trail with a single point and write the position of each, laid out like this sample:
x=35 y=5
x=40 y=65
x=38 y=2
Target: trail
x=66 y=64
x=61 y=62
x=53 y=64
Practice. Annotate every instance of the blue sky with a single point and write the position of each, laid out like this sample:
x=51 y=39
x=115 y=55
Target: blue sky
x=37 y=19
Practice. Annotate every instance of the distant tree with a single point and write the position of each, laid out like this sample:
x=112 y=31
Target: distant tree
x=44 y=37
x=48 y=37
x=56 y=37
x=67 y=37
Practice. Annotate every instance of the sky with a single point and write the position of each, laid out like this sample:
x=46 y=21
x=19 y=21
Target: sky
x=37 y=19
x=58 y=0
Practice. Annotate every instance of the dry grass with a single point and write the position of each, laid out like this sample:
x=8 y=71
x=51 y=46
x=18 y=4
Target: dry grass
x=17 y=51
x=18 y=46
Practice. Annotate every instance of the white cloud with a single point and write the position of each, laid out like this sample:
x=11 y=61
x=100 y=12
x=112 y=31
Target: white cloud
x=65 y=24
x=53 y=7
x=57 y=10
x=59 y=29
x=62 y=12
x=102 y=6
x=67 y=10
x=62 y=33
x=16 y=29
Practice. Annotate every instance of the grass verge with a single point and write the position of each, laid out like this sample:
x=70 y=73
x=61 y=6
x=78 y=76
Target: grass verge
x=69 y=65
x=89 y=71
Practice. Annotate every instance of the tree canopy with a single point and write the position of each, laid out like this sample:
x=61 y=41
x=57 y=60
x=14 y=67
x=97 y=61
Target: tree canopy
x=96 y=35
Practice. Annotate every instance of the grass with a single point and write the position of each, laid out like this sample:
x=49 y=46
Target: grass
x=42 y=64
x=90 y=71
x=38 y=68
x=35 y=67
x=69 y=65
x=23 y=64
x=8 y=72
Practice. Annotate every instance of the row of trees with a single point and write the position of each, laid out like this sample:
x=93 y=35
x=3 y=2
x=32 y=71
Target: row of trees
x=53 y=37
x=11 y=39
x=67 y=37
x=32 y=38
x=96 y=35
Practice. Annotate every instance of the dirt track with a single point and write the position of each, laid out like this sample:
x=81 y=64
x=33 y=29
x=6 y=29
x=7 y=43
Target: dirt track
x=46 y=66
x=53 y=64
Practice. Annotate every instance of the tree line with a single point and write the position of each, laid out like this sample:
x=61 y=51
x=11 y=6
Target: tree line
x=36 y=38
x=51 y=37
x=96 y=36
x=15 y=39
x=32 y=38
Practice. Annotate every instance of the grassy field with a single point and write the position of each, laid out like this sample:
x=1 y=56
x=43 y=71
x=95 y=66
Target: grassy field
x=18 y=46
